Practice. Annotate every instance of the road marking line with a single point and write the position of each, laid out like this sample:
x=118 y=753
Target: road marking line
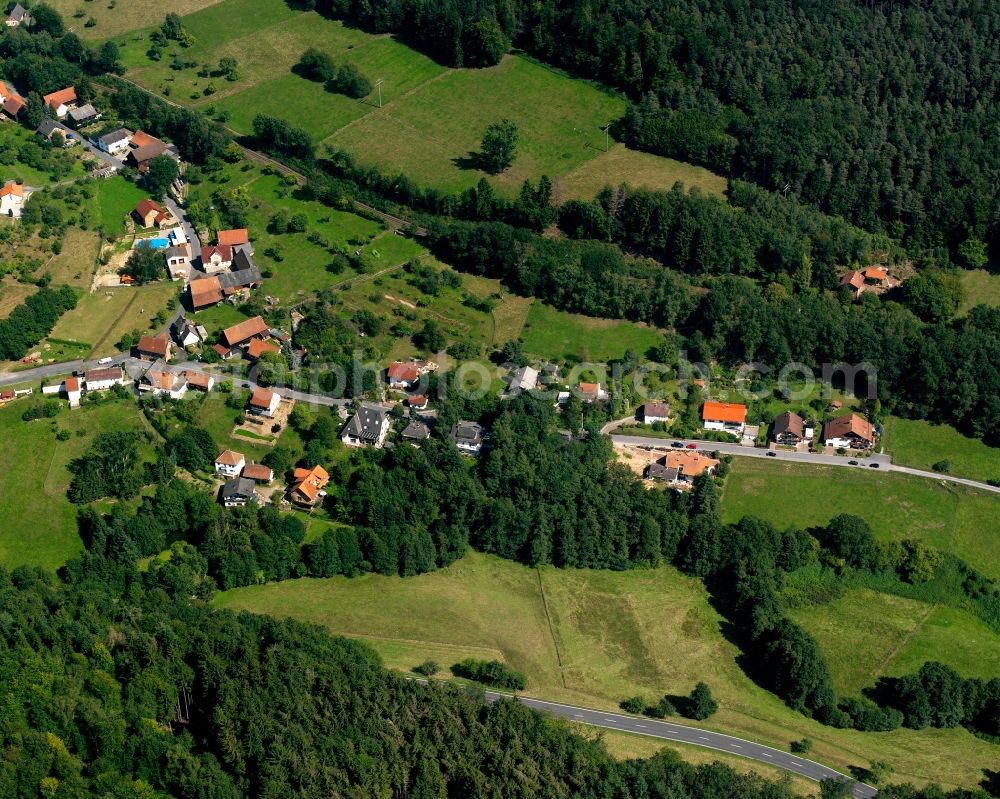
x=702 y=737
x=766 y=754
x=736 y=746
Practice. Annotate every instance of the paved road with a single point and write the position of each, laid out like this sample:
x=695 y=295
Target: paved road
x=884 y=461
x=681 y=733
x=186 y=226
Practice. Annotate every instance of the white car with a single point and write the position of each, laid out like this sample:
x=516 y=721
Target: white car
x=104 y=361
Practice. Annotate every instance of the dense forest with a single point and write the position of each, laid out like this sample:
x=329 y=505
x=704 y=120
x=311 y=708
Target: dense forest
x=32 y=320
x=883 y=113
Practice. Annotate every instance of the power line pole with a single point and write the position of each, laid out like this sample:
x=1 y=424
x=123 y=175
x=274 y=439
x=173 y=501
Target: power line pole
x=378 y=85
x=606 y=129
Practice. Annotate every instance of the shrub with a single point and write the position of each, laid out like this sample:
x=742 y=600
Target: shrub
x=428 y=668
x=635 y=704
x=802 y=746
x=350 y=81
x=490 y=672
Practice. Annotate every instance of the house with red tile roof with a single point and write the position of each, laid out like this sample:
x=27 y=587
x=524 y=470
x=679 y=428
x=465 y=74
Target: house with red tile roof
x=61 y=101
x=307 y=486
x=730 y=417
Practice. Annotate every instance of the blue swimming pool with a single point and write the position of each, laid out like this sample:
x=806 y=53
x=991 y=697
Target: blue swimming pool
x=156 y=244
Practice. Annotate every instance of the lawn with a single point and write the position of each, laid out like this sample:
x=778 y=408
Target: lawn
x=11 y=138
x=593 y=638
x=39 y=522
x=641 y=170
x=897 y=636
x=114 y=200
x=921 y=444
x=979 y=286
x=557 y=335
x=102 y=318
x=433 y=134
x=952 y=518
x=218 y=318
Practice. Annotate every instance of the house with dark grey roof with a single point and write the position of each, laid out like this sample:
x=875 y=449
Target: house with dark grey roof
x=82 y=115
x=47 y=128
x=415 y=432
x=657 y=471
x=114 y=142
x=468 y=437
x=18 y=16
x=238 y=491
x=368 y=427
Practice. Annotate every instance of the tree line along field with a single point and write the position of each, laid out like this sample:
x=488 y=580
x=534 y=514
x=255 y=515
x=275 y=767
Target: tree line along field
x=432 y=117
x=594 y=637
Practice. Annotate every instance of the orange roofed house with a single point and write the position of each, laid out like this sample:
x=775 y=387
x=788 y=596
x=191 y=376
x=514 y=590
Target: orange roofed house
x=849 y=432
x=729 y=417
x=11 y=199
x=150 y=213
x=60 y=101
x=264 y=402
x=681 y=467
x=241 y=333
x=307 y=486
x=232 y=238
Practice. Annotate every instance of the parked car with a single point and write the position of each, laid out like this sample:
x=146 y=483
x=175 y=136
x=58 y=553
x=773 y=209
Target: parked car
x=677 y=444
x=772 y=454
x=852 y=463
x=104 y=361
x=873 y=466
x=692 y=445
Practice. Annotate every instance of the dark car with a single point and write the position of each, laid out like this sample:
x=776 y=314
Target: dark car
x=772 y=454
x=692 y=445
x=852 y=463
x=873 y=466
x=677 y=444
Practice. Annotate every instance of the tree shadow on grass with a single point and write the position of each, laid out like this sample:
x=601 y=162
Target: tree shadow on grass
x=472 y=161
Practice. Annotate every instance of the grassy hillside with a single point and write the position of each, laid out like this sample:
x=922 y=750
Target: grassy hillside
x=39 y=523
x=593 y=638
x=897 y=636
x=557 y=335
x=951 y=518
x=980 y=286
x=431 y=118
x=921 y=444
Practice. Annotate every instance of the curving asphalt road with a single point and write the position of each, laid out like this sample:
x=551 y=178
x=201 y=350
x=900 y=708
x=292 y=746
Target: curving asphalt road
x=681 y=733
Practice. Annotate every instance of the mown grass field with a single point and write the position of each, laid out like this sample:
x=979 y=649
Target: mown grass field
x=981 y=287
x=952 y=518
x=897 y=636
x=121 y=17
x=13 y=294
x=74 y=266
x=100 y=319
x=558 y=336
x=921 y=444
x=641 y=170
x=594 y=638
x=39 y=523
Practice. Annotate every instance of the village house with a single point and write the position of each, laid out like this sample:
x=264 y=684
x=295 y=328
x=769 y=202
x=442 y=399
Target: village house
x=12 y=199
x=258 y=472
x=725 y=416
x=46 y=128
x=592 y=392
x=241 y=333
x=415 y=432
x=82 y=115
x=264 y=402
x=654 y=412
x=216 y=258
x=114 y=142
x=789 y=429
x=144 y=148
x=149 y=214
x=186 y=333
x=18 y=16
x=237 y=237
x=417 y=402
x=150 y=348
x=855 y=281
x=403 y=375
x=104 y=378
x=658 y=471
x=160 y=381
x=12 y=102
x=368 y=427
x=258 y=347
x=468 y=437
x=73 y=391
x=224 y=352
x=238 y=491
x=61 y=101
x=204 y=292
x=230 y=463
x=523 y=379
x=849 y=432
x=307 y=486
x=239 y=281
x=179 y=261
x=199 y=381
